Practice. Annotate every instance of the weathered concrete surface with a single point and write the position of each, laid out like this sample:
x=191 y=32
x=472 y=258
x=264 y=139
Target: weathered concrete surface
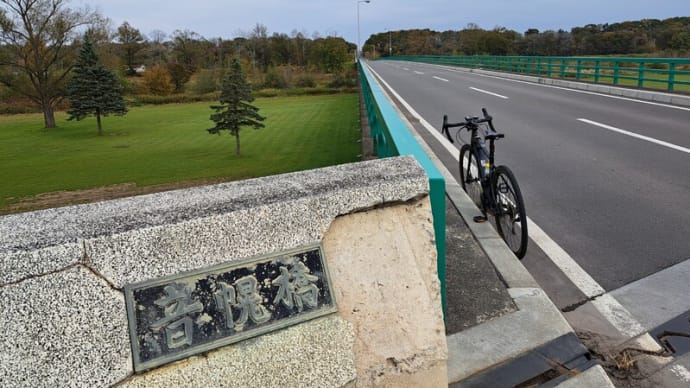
x=149 y=236
x=388 y=331
x=62 y=272
x=63 y=329
x=383 y=264
x=318 y=353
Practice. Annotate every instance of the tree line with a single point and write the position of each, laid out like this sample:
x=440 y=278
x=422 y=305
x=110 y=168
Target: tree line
x=668 y=37
x=192 y=51
x=40 y=42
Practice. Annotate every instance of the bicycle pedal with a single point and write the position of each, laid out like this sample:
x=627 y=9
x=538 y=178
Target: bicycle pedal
x=480 y=219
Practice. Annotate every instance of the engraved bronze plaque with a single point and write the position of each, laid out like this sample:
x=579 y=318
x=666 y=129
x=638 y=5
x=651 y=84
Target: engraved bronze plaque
x=177 y=316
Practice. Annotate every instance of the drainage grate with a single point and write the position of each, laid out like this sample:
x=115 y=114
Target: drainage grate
x=544 y=367
x=674 y=335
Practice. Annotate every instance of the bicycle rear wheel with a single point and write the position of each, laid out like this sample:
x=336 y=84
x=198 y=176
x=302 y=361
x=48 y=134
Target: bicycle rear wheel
x=469 y=175
x=511 y=218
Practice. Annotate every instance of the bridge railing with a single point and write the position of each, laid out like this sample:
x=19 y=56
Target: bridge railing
x=392 y=138
x=670 y=74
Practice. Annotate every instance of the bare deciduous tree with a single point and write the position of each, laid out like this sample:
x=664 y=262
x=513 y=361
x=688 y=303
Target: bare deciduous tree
x=37 y=36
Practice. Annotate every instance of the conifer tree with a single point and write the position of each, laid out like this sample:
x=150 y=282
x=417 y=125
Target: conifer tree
x=235 y=110
x=93 y=89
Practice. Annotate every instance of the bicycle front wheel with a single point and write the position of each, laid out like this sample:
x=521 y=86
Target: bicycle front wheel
x=469 y=175
x=511 y=219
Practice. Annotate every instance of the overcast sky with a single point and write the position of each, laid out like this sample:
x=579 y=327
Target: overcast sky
x=230 y=18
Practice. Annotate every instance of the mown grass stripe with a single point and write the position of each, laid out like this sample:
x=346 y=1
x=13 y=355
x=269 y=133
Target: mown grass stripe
x=169 y=143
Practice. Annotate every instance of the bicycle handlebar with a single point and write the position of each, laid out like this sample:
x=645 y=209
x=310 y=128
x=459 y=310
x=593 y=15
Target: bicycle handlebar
x=445 y=127
x=470 y=123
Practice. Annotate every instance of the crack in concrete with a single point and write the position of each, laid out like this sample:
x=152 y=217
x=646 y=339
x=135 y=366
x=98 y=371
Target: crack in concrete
x=30 y=277
x=575 y=306
x=85 y=262
x=89 y=265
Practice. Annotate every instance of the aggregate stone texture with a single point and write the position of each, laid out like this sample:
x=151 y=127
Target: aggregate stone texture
x=317 y=353
x=64 y=329
x=63 y=324
x=21 y=264
x=160 y=234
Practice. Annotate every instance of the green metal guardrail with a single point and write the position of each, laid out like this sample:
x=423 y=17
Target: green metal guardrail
x=392 y=138
x=671 y=74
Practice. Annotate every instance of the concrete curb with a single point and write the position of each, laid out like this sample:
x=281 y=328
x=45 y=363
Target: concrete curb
x=640 y=94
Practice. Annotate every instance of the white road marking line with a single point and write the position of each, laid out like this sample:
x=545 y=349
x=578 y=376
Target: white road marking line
x=490 y=93
x=406 y=69
x=618 y=316
x=568 y=89
x=564 y=261
x=638 y=136
x=609 y=307
x=441 y=79
x=418 y=72
x=606 y=304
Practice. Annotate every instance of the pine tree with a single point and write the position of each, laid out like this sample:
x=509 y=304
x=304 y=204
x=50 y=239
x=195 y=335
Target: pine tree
x=93 y=89
x=235 y=110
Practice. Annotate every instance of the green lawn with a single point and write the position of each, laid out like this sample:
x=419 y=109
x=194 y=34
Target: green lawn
x=169 y=143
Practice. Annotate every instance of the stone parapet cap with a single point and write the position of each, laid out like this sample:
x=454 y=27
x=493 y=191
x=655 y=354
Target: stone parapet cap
x=302 y=206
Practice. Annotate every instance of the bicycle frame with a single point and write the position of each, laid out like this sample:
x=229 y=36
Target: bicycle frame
x=492 y=188
x=483 y=156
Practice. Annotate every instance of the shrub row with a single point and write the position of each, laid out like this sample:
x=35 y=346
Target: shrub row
x=269 y=92
x=303 y=91
x=150 y=99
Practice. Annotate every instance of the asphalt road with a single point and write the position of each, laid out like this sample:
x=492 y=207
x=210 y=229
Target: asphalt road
x=618 y=204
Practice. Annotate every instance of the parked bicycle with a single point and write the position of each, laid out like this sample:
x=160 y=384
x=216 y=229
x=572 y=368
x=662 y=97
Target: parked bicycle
x=493 y=189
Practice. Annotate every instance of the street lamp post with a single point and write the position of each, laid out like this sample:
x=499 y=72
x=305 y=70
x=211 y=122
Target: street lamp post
x=358 y=41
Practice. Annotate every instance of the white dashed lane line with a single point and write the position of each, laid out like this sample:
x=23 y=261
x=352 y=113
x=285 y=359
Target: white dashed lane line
x=637 y=136
x=489 y=93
